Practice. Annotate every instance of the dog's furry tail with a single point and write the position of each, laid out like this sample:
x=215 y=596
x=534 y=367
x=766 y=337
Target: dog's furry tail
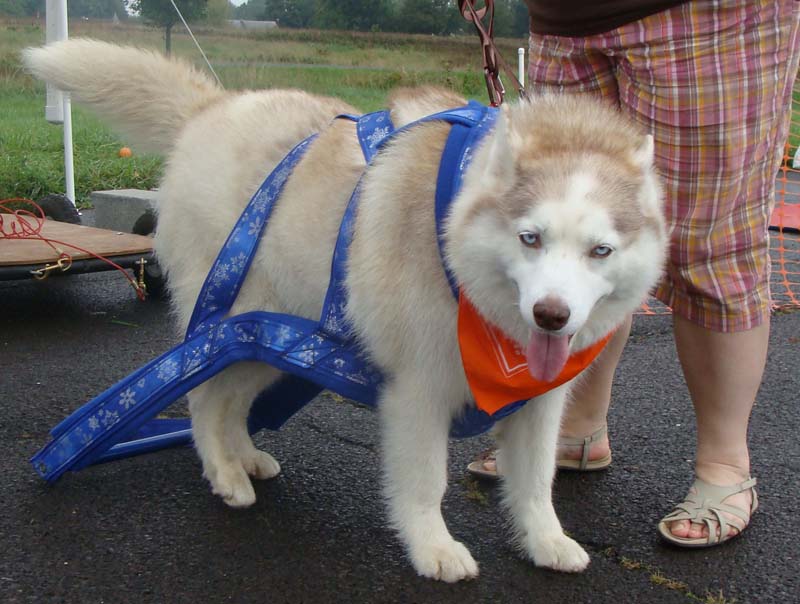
x=141 y=93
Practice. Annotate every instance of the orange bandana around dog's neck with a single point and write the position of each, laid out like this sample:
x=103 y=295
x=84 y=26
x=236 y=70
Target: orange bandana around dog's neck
x=498 y=371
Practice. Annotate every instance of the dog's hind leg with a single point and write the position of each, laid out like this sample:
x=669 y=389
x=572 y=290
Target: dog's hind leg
x=415 y=418
x=526 y=457
x=219 y=411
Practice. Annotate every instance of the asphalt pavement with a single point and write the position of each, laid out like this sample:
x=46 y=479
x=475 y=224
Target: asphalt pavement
x=148 y=529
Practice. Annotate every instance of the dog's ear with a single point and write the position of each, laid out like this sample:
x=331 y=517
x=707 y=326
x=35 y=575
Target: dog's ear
x=644 y=154
x=651 y=194
x=499 y=167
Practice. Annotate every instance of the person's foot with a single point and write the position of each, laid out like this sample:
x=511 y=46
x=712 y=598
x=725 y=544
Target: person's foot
x=723 y=476
x=569 y=455
x=591 y=452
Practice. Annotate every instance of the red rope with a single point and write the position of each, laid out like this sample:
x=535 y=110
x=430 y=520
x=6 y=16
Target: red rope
x=28 y=226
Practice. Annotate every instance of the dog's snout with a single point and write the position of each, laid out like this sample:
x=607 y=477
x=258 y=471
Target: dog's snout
x=551 y=313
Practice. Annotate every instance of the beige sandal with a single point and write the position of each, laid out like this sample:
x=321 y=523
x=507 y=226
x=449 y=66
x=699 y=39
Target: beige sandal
x=583 y=464
x=705 y=505
x=478 y=467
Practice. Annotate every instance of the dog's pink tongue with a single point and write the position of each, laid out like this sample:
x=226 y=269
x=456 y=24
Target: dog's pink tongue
x=547 y=355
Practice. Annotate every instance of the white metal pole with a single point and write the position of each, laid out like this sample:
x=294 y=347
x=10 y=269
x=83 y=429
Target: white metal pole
x=54 y=109
x=69 y=169
x=521 y=65
x=58 y=109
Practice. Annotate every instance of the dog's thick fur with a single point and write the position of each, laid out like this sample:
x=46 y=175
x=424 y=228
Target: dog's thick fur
x=572 y=176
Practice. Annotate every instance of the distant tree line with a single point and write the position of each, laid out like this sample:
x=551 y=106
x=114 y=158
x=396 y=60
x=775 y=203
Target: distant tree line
x=439 y=17
x=94 y=9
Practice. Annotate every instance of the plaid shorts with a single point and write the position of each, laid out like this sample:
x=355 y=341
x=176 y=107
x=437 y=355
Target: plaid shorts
x=712 y=81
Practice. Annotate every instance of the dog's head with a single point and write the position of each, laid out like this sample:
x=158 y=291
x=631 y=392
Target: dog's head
x=558 y=231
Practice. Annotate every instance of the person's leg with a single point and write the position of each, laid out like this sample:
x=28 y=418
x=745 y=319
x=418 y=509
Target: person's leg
x=723 y=372
x=719 y=123
x=586 y=412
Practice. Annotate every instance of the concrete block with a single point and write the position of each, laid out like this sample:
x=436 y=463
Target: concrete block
x=120 y=209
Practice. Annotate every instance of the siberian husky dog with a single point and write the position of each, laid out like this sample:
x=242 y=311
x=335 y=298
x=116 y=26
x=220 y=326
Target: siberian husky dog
x=560 y=209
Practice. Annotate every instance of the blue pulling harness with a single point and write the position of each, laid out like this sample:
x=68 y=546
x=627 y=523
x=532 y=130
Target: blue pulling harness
x=314 y=355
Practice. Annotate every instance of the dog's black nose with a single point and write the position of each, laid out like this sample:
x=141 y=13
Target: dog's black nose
x=551 y=313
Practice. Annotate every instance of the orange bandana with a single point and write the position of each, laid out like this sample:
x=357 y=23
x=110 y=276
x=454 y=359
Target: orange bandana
x=496 y=368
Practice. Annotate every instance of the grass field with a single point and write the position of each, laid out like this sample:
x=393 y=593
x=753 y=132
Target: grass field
x=361 y=68
x=358 y=67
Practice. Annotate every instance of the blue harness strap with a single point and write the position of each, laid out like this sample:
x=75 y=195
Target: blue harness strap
x=313 y=354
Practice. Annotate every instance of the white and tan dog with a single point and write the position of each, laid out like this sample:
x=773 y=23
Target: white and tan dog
x=560 y=210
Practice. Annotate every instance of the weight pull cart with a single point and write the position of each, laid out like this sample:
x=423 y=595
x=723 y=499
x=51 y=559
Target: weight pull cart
x=33 y=258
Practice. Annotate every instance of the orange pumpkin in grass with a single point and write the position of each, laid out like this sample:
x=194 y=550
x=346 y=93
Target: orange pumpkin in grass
x=125 y=152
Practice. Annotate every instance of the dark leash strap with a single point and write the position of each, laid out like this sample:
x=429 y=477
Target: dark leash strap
x=492 y=60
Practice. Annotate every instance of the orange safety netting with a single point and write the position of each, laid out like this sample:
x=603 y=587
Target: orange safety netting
x=784 y=226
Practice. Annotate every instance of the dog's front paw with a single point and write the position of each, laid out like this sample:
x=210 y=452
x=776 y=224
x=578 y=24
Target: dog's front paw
x=448 y=562
x=234 y=486
x=559 y=552
x=260 y=465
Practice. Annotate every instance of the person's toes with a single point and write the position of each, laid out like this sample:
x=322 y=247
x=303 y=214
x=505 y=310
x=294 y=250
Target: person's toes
x=698 y=531
x=694 y=530
x=680 y=528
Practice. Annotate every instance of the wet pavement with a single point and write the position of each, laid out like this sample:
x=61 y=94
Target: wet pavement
x=148 y=529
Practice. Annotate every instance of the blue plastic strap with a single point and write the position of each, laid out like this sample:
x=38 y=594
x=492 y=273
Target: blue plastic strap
x=333 y=319
x=456 y=157
x=229 y=270
x=373 y=129
x=290 y=344
x=445 y=192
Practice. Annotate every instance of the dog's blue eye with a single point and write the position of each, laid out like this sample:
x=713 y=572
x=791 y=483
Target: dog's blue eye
x=602 y=251
x=530 y=239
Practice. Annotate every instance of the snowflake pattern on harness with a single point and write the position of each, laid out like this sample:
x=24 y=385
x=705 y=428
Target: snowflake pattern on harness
x=377 y=136
x=238 y=262
x=307 y=356
x=167 y=370
x=260 y=201
x=109 y=418
x=220 y=275
x=255 y=227
x=281 y=336
x=334 y=320
x=127 y=399
x=243 y=334
x=281 y=176
x=192 y=361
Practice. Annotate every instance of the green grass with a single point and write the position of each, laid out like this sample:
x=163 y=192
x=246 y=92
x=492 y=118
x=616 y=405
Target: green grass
x=31 y=153
x=360 y=68
x=794 y=125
